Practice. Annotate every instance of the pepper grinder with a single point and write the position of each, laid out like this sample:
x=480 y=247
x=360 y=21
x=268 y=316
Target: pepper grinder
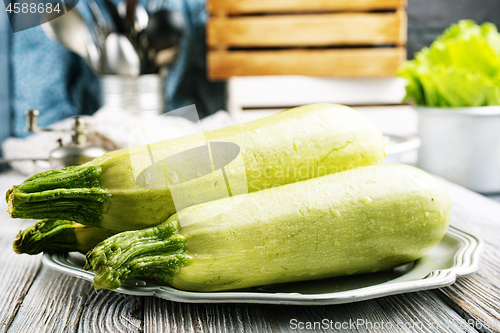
x=76 y=152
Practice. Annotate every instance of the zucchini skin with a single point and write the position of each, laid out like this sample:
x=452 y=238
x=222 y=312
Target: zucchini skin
x=291 y=146
x=358 y=221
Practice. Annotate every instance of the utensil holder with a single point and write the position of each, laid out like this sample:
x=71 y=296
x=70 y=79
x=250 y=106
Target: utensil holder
x=143 y=95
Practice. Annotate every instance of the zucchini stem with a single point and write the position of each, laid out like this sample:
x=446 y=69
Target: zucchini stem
x=158 y=252
x=72 y=193
x=45 y=235
x=58 y=235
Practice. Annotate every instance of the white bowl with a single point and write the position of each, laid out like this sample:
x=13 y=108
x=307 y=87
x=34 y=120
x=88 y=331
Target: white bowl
x=462 y=145
x=399 y=146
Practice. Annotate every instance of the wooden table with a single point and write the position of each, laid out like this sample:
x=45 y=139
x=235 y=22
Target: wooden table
x=36 y=299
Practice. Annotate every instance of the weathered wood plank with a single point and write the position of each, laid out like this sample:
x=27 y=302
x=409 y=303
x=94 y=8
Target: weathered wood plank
x=16 y=277
x=308 y=30
x=17 y=273
x=258 y=6
x=479 y=295
x=50 y=304
x=108 y=311
x=416 y=312
x=370 y=62
x=59 y=303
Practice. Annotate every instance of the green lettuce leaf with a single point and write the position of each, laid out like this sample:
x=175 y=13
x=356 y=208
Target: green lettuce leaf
x=460 y=68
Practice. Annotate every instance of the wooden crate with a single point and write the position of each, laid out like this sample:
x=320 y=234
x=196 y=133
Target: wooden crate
x=334 y=38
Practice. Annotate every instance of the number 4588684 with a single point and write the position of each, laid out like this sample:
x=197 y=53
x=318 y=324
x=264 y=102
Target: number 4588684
x=25 y=8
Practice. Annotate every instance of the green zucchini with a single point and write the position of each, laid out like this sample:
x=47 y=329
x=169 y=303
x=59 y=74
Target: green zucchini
x=58 y=235
x=113 y=192
x=358 y=221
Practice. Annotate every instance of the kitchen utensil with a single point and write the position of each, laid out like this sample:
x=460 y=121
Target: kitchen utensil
x=121 y=56
x=164 y=29
x=97 y=14
x=161 y=37
x=75 y=153
x=130 y=11
x=71 y=31
x=141 y=19
x=167 y=56
x=115 y=16
x=462 y=145
x=457 y=255
x=101 y=31
x=99 y=20
x=137 y=24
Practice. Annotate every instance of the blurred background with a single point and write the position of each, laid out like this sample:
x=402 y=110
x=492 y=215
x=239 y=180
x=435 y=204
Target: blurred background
x=37 y=72
x=32 y=66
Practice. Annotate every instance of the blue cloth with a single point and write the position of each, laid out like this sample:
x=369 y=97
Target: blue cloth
x=49 y=78
x=187 y=81
x=57 y=82
x=5 y=35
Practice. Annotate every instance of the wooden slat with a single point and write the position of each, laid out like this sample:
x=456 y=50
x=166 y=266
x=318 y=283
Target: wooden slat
x=17 y=274
x=257 y=6
x=478 y=296
x=308 y=30
x=421 y=312
x=372 y=62
x=403 y=24
x=108 y=311
x=61 y=303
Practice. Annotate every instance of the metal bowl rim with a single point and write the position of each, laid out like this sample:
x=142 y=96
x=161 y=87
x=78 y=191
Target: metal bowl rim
x=493 y=110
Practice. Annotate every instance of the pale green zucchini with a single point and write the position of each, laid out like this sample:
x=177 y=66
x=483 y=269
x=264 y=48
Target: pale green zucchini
x=58 y=235
x=291 y=146
x=358 y=221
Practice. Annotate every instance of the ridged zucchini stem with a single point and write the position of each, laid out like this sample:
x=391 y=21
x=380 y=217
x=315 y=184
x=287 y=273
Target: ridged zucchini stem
x=158 y=252
x=58 y=235
x=45 y=235
x=72 y=193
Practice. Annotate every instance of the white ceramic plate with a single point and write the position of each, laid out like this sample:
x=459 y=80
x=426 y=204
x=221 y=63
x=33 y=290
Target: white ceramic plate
x=457 y=255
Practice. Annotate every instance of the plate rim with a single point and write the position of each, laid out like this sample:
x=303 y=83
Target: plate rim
x=467 y=259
